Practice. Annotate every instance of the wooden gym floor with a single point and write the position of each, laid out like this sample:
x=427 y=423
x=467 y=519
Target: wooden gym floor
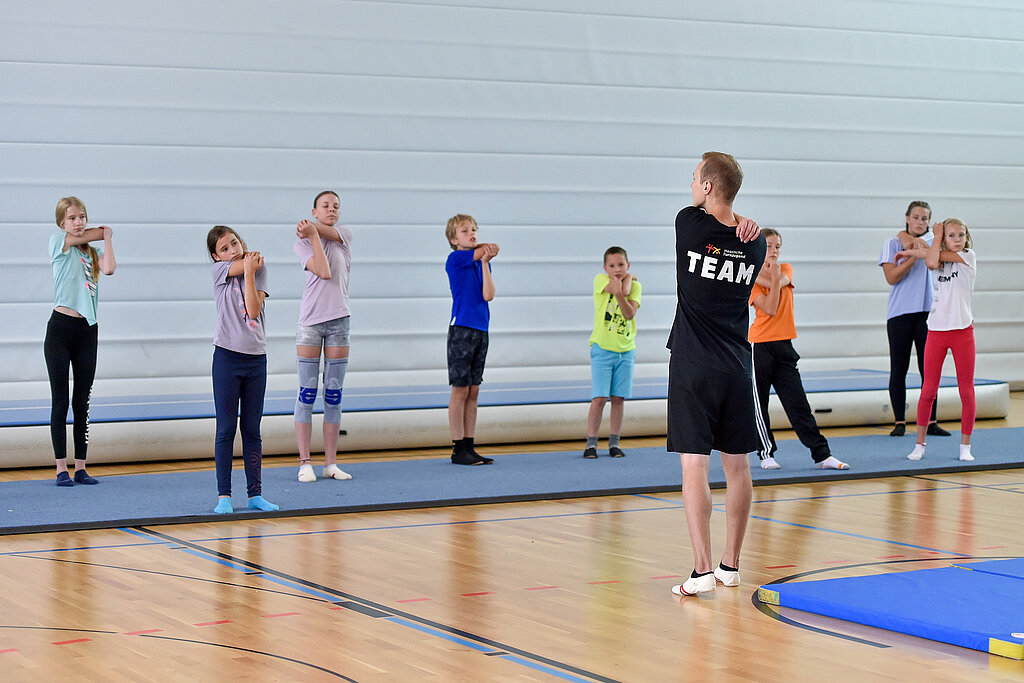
x=551 y=590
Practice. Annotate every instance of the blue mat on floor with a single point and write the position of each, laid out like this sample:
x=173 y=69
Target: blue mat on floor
x=182 y=497
x=980 y=609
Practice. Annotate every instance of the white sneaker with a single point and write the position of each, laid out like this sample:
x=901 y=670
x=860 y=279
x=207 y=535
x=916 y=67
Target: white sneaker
x=335 y=472
x=306 y=474
x=770 y=464
x=832 y=463
x=693 y=586
x=727 y=577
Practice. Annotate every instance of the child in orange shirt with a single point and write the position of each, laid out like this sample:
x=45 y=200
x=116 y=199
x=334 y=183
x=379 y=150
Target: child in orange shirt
x=775 y=359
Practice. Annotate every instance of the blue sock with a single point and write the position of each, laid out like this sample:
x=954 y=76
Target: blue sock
x=258 y=503
x=223 y=506
x=81 y=477
x=64 y=479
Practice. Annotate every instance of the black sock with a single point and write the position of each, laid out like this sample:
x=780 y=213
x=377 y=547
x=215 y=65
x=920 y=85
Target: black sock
x=695 y=575
x=728 y=569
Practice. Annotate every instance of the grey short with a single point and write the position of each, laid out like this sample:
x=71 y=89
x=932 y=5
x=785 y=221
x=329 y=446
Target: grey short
x=467 y=351
x=329 y=333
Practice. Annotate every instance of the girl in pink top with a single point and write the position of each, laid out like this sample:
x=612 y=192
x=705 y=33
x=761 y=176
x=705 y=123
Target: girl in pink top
x=950 y=327
x=324 y=249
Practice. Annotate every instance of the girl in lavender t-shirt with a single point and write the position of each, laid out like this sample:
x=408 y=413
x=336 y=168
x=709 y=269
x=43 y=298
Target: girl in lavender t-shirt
x=239 y=362
x=324 y=249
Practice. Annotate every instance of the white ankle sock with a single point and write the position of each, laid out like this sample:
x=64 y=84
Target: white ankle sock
x=917 y=453
x=965 y=452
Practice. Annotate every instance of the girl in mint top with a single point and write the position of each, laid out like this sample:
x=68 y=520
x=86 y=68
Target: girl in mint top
x=72 y=332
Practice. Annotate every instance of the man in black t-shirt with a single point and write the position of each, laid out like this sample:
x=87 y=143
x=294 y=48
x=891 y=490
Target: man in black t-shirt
x=711 y=402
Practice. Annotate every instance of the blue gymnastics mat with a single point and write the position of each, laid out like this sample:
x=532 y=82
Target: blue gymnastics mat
x=185 y=497
x=974 y=608
x=24 y=413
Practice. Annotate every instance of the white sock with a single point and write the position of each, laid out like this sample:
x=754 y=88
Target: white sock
x=833 y=463
x=917 y=453
x=306 y=473
x=965 y=452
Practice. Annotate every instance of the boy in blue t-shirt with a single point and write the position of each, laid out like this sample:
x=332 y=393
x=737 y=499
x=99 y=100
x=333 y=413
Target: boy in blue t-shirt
x=469 y=276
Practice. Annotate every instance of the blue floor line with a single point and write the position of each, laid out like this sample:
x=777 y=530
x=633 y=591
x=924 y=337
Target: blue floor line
x=458 y=640
x=721 y=508
x=544 y=669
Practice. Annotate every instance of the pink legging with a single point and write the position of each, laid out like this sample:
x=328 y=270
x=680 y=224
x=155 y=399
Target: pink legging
x=961 y=343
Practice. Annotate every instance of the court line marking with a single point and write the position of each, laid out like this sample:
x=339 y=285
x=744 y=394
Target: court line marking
x=140 y=570
x=568 y=671
x=149 y=634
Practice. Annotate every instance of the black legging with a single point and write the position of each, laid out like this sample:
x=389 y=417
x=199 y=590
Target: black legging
x=905 y=331
x=70 y=342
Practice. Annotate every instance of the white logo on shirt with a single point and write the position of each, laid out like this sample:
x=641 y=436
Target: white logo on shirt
x=728 y=270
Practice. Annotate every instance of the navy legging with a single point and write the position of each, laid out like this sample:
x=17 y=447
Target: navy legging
x=70 y=343
x=239 y=382
x=905 y=331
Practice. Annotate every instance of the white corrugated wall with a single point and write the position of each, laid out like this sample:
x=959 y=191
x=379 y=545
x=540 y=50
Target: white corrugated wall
x=564 y=126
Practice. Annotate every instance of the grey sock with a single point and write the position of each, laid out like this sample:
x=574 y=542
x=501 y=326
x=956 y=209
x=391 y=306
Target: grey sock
x=613 y=440
x=591 y=442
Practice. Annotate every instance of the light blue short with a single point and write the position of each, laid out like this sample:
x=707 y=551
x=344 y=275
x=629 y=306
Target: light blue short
x=611 y=373
x=329 y=333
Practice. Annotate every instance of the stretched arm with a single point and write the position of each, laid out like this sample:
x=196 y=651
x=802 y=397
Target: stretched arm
x=252 y=262
x=482 y=249
x=931 y=258
x=328 y=232
x=764 y=279
x=90 y=235
x=943 y=256
x=769 y=303
x=317 y=263
x=107 y=261
x=490 y=251
x=620 y=290
x=236 y=268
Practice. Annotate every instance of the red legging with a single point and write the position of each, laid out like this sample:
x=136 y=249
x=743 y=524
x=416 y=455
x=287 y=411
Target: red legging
x=961 y=343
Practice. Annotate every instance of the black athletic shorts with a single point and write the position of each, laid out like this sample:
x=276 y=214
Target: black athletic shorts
x=710 y=410
x=467 y=351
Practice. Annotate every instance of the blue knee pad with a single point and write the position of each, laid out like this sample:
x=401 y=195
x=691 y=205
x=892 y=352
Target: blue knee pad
x=308 y=369
x=334 y=378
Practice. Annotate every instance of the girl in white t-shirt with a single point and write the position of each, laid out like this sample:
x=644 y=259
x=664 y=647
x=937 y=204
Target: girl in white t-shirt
x=950 y=327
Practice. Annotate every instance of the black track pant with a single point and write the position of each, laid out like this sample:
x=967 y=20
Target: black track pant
x=70 y=343
x=906 y=331
x=775 y=366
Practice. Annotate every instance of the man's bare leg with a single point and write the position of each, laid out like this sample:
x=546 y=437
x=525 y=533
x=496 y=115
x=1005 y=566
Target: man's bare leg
x=697 y=505
x=738 y=493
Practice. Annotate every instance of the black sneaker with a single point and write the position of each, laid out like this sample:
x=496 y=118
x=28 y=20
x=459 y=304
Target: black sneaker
x=615 y=452
x=482 y=459
x=590 y=453
x=463 y=458
x=935 y=430
x=899 y=430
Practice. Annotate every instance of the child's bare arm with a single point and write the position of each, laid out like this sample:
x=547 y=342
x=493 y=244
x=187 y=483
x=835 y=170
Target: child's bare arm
x=490 y=251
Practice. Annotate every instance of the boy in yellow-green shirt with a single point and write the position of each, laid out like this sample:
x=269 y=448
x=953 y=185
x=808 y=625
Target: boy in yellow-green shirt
x=612 y=347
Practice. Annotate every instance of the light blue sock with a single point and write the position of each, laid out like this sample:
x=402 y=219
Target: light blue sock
x=223 y=506
x=258 y=503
